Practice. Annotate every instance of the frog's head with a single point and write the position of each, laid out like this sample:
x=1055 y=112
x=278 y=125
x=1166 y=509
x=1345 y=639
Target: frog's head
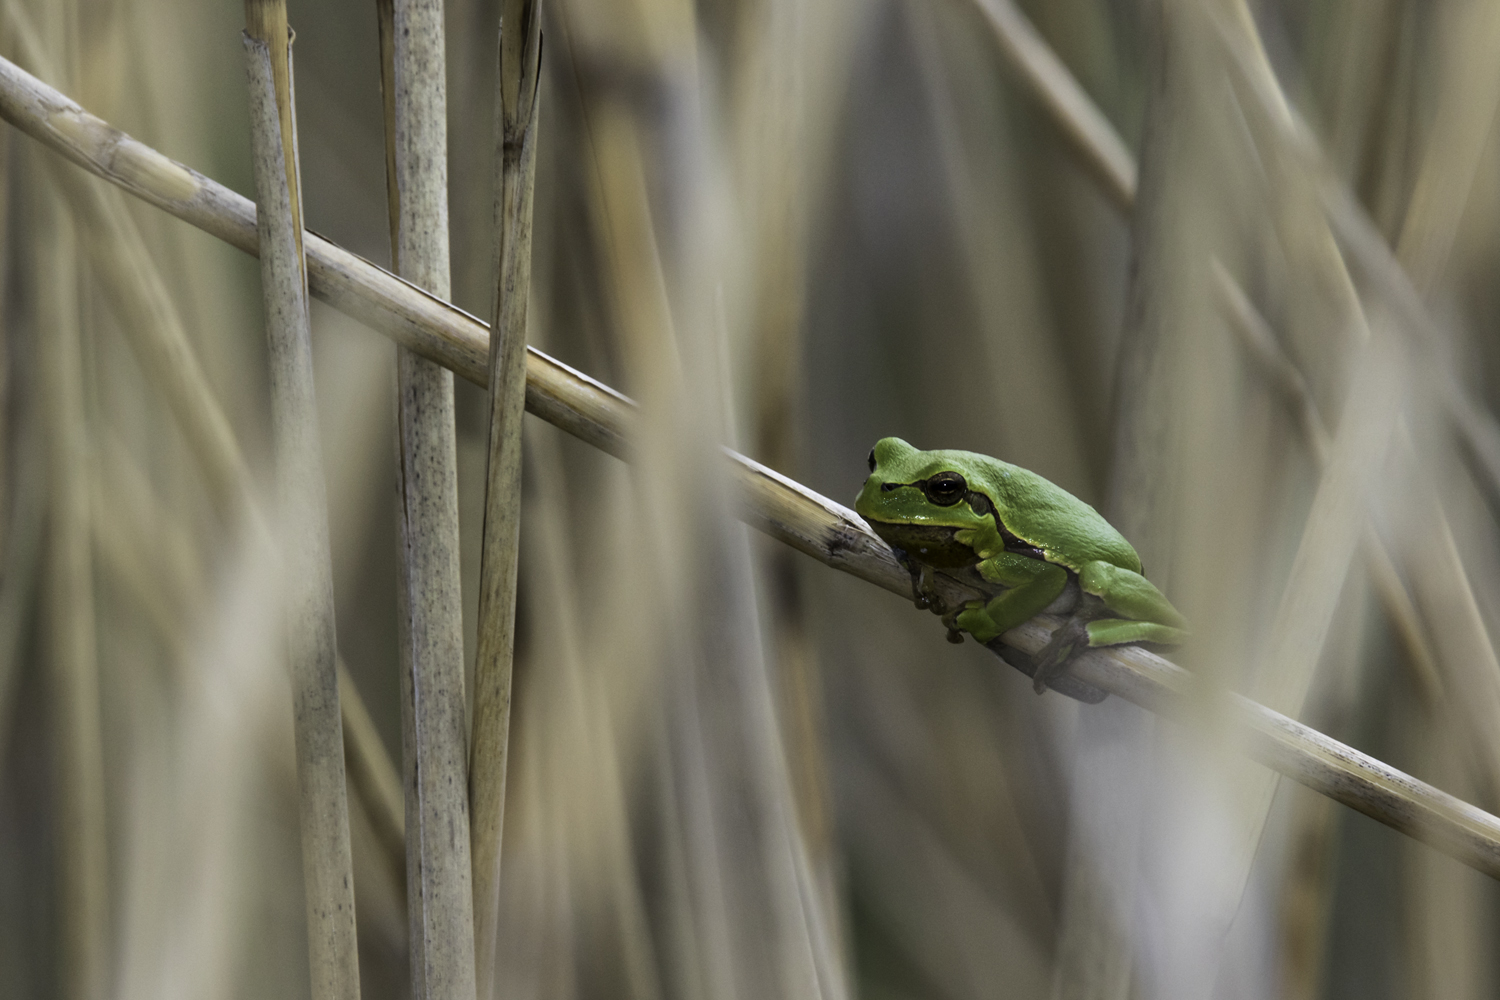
x=912 y=487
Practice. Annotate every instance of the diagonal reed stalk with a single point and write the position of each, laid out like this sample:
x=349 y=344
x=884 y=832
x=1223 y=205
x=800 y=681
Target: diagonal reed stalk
x=435 y=765
x=303 y=517
x=515 y=164
x=768 y=501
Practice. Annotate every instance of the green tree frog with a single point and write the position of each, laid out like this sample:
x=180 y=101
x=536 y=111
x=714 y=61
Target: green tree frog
x=964 y=514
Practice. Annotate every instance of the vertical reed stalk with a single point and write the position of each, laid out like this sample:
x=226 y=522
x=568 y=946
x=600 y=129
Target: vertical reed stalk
x=68 y=600
x=434 y=739
x=303 y=516
x=515 y=153
x=82 y=861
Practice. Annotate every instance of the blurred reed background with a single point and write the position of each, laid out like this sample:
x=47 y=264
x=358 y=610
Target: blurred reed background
x=1260 y=336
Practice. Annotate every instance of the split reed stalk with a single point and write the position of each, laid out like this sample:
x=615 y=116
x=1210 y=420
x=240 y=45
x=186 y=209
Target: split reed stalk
x=434 y=739
x=515 y=166
x=768 y=501
x=303 y=517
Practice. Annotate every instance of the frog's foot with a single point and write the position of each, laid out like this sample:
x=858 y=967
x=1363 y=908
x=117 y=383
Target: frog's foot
x=924 y=588
x=1069 y=640
x=975 y=620
x=951 y=622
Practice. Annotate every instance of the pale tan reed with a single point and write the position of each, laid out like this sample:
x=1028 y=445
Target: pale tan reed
x=431 y=650
x=302 y=516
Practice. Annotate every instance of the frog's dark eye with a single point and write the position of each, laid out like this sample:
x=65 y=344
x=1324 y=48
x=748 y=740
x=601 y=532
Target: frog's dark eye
x=872 y=459
x=946 y=488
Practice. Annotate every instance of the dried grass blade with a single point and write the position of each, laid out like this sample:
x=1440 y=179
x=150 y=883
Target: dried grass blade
x=515 y=161
x=303 y=517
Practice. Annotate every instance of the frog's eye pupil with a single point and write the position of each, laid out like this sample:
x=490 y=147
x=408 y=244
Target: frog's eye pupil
x=872 y=459
x=946 y=488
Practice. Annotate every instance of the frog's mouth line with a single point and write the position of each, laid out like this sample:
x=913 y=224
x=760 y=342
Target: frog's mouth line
x=979 y=504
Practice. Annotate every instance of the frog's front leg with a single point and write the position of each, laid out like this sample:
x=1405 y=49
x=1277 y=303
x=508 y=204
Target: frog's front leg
x=1126 y=607
x=1031 y=586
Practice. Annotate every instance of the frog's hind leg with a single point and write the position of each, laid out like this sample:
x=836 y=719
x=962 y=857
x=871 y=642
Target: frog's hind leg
x=1128 y=595
x=1118 y=631
x=1076 y=635
x=1120 y=606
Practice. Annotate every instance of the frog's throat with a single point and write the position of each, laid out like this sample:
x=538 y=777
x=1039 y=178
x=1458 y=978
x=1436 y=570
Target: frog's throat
x=935 y=546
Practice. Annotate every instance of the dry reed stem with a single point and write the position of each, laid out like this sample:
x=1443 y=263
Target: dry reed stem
x=152 y=561
x=1095 y=141
x=768 y=501
x=1369 y=259
x=69 y=638
x=19 y=588
x=431 y=646
x=519 y=67
x=580 y=735
x=1261 y=344
x=1415 y=808
x=428 y=325
x=1349 y=225
x=966 y=942
x=155 y=330
x=1085 y=127
x=1331 y=533
x=1470 y=92
x=372 y=774
x=739 y=868
x=303 y=517
x=148 y=315
x=82 y=833
x=1444 y=184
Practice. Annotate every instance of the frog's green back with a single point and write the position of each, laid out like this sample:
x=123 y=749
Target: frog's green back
x=1044 y=514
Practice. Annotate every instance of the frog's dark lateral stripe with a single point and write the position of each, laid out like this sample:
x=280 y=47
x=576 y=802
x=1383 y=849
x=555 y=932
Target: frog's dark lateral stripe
x=982 y=505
